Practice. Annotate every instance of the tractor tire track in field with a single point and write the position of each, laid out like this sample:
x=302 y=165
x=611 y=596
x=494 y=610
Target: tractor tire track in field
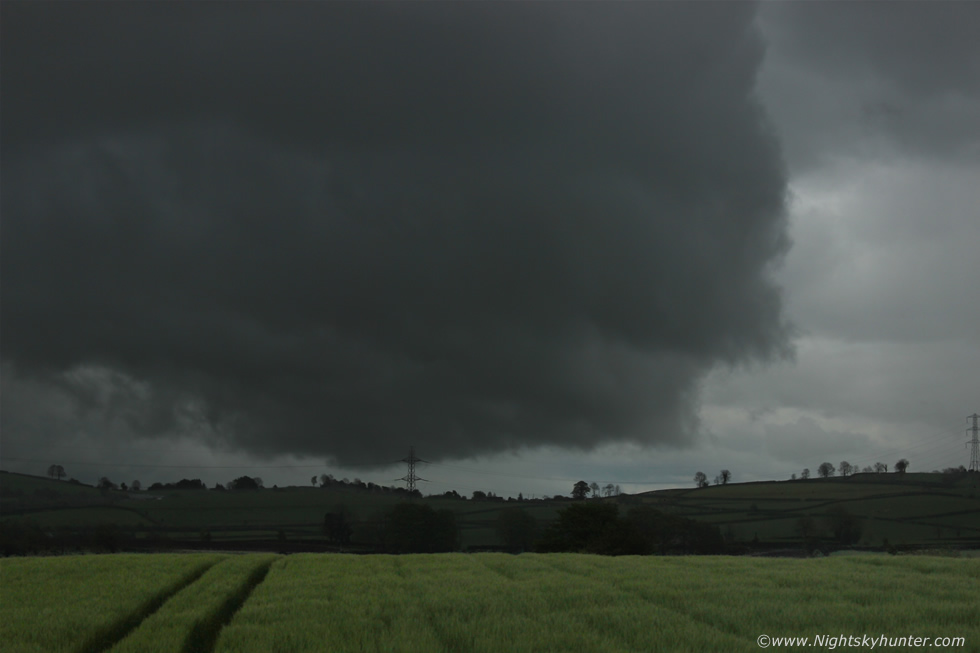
x=109 y=636
x=204 y=634
x=502 y=571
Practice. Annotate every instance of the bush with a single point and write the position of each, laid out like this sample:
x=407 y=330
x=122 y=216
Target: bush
x=337 y=526
x=516 y=528
x=598 y=528
x=22 y=537
x=417 y=528
x=845 y=526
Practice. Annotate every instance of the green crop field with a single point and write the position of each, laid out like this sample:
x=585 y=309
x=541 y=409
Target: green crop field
x=83 y=603
x=476 y=602
x=194 y=615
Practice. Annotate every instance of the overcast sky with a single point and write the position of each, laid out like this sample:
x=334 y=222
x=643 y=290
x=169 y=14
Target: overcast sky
x=541 y=242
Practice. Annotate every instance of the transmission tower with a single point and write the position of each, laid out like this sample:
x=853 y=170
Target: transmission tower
x=411 y=478
x=975 y=452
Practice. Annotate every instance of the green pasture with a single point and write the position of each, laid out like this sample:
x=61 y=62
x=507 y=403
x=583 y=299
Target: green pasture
x=14 y=486
x=475 y=602
x=905 y=509
x=86 y=517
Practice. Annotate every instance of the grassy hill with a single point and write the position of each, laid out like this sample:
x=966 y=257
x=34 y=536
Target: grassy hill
x=890 y=509
x=904 y=509
x=295 y=514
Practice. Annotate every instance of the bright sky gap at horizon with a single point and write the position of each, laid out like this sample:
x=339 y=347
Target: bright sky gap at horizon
x=325 y=469
x=624 y=241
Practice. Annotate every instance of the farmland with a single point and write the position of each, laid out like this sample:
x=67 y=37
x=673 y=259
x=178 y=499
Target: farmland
x=477 y=602
x=82 y=603
x=913 y=510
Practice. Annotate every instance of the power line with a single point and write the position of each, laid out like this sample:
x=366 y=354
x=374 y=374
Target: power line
x=975 y=450
x=932 y=443
x=542 y=478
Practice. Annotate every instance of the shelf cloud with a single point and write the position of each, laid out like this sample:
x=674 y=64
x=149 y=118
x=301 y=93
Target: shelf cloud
x=335 y=229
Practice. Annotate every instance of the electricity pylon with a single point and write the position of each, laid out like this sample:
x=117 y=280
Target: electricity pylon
x=411 y=478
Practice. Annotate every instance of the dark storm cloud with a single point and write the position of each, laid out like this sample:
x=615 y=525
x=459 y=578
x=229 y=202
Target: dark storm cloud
x=860 y=77
x=336 y=229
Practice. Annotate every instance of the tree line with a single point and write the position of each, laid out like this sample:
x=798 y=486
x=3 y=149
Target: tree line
x=845 y=469
x=582 y=527
x=824 y=470
x=583 y=490
x=723 y=477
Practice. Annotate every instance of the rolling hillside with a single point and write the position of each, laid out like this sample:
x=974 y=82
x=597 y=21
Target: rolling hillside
x=888 y=509
x=904 y=509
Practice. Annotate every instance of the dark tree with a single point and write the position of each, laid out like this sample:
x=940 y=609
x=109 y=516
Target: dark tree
x=594 y=487
x=516 y=528
x=107 y=537
x=23 y=537
x=845 y=468
x=580 y=490
x=338 y=526
x=479 y=495
x=725 y=476
x=665 y=534
x=417 y=528
x=881 y=468
x=826 y=470
x=136 y=485
x=313 y=481
x=105 y=484
x=598 y=528
x=578 y=526
x=901 y=466
x=805 y=474
x=244 y=483
x=806 y=527
x=700 y=479
x=56 y=472
x=845 y=526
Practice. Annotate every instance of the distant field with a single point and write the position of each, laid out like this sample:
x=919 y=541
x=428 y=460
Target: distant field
x=901 y=509
x=477 y=602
